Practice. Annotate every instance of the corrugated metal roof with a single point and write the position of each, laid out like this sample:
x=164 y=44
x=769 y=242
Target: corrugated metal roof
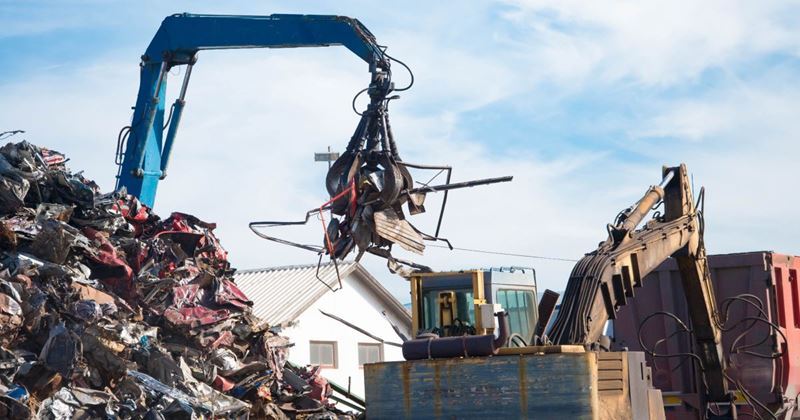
x=283 y=293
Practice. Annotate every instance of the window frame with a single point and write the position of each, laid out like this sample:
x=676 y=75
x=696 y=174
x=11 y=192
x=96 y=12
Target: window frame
x=335 y=346
x=380 y=352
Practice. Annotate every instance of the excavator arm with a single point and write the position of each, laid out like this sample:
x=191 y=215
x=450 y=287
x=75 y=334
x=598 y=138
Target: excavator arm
x=604 y=280
x=144 y=157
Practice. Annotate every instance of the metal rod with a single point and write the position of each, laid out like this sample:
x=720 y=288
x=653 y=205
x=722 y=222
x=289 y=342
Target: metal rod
x=162 y=74
x=349 y=395
x=447 y=181
x=177 y=112
x=149 y=117
x=457 y=185
x=185 y=83
x=667 y=178
x=421 y=166
x=444 y=204
x=347 y=403
x=361 y=330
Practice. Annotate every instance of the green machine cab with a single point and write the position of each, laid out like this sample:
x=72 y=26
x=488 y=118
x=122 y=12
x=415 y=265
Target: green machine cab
x=456 y=303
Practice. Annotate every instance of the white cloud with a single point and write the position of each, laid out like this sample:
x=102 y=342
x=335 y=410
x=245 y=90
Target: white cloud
x=738 y=114
x=658 y=43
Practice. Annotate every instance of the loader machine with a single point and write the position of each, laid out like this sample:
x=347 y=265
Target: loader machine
x=476 y=355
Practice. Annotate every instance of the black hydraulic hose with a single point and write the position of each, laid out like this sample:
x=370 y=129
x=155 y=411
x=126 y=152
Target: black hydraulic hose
x=756 y=303
x=371 y=132
x=572 y=323
x=353 y=104
x=410 y=73
x=357 y=139
x=746 y=298
x=652 y=352
x=740 y=336
x=382 y=119
x=393 y=145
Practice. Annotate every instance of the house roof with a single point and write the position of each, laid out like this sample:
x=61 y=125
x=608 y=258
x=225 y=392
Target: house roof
x=283 y=293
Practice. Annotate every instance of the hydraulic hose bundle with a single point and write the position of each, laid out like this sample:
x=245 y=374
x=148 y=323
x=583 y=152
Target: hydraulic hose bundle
x=370 y=168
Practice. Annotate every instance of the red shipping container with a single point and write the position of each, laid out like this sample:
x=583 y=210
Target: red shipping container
x=771 y=277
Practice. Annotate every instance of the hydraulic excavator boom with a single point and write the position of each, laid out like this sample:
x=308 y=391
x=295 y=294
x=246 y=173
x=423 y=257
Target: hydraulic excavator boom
x=144 y=157
x=607 y=278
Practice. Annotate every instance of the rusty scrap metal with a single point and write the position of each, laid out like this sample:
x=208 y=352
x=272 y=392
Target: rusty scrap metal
x=107 y=310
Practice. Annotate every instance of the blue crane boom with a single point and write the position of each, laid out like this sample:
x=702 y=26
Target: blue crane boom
x=143 y=152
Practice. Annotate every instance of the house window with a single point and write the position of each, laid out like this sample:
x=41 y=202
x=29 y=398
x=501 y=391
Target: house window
x=323 y=353
x=369 y=353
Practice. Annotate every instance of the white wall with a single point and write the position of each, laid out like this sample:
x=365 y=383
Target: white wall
x=357 y=305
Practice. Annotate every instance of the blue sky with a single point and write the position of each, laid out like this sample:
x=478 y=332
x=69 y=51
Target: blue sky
x=581 y=101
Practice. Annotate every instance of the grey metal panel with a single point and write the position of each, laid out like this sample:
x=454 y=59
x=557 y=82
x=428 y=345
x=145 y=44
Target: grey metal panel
x=512 y=276
x=555 y=386
x=281 y=294
x=639 y=385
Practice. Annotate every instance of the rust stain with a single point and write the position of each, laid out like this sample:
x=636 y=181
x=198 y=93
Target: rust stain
x=407 y=387
x=523 y=389
x=437 y=391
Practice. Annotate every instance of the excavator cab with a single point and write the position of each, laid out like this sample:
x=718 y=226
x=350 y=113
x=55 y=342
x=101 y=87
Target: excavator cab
x=460 y=303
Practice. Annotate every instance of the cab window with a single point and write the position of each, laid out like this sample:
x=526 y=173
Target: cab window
x=465 y=308
x=520 y=307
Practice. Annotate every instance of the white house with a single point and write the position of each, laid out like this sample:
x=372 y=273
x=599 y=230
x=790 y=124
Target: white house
x=296 y=297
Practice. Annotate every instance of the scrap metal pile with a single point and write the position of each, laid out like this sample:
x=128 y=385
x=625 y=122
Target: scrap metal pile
x=108 y=311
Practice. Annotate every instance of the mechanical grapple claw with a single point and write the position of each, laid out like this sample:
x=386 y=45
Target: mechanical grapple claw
x=369 y=184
